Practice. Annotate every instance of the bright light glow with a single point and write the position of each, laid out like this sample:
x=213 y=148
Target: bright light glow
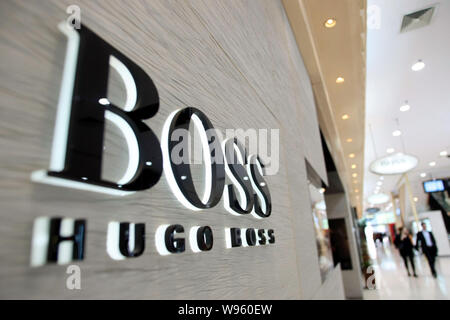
x=443 y=153
x=321 y=205
x=378 y=198
x=396 y=133
x=228 y=238
x=63 y=110
x=160 y=243
x=354 y=175
x=379 y=183
x=356 y=190
x=405 y=107
x=132 y=143
x=351 y=155
x=340 y=80
x=193 y=239
x=104 y=101
x=416 y=199
x=345 y=117
x=130 y=85
x=39 y=242
x=206 y=157
x=381 y=178
x=330 y=23
x=226 y=195
x=423 y=174
x=355 y=181
x=112 y=241
x=390 y=150
x=41 y=176
x=419 y=65
x=353 y=166
x=349 y=140
x=432 y=163
x=168 y=167
x=255 y=188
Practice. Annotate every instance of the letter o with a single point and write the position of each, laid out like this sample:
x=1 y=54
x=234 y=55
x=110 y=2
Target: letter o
x=179 y=175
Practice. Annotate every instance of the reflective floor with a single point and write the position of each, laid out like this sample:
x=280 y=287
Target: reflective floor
x=392 y=281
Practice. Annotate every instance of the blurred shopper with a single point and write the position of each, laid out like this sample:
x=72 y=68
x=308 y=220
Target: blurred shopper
x=425 y=239
x=397 y=237
x=405 y=246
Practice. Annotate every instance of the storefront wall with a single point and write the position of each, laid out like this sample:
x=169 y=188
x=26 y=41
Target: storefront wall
x=238 y=62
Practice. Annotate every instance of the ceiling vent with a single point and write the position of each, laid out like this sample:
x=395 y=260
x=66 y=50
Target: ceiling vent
x=417 y=19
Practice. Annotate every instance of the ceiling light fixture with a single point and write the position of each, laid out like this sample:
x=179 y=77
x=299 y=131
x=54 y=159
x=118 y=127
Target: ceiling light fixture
x=396 y=133
x=104 y=101
x=345 y=117
x=381 y=178
x=330 y=23
x=432 y=163
x=354 y=175
x=416 y=199
x=423 y=174
x=349 y=140
x=340 y=80
x=390 y=150
x=351 y=155
x=443 y=153
x=405 y=107
x=419 y=65
x=353 y=166
x=379 y=183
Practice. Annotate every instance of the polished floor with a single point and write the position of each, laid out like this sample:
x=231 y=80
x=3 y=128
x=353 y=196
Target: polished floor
x=393 y=283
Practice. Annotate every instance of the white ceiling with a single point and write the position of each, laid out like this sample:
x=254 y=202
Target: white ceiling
x=390 y=81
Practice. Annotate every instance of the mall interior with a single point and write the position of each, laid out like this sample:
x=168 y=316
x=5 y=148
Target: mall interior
x=348 y=101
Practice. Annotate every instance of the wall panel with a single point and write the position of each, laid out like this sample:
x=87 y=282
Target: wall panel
x=237 y=62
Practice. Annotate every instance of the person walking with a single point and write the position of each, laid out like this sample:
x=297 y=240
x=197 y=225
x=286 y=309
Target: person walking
x=405 y=246
x=425 y=240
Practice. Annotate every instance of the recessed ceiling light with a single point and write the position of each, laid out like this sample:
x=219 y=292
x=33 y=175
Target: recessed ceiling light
x=423 y=174
x=381 y=178
x=353 y=166
x=432 y=163
x=443 y=153
x=419 y=65
x=390 y=150
x=405 y=107
x=340 y=80
x=379 y=183
x=349 y=140
x=354 y=175
x=104 y=101
x=416 y=199
x=351 y=155
x=396 y=133
x=330 y=23
x=356 y=190
x=345 y=117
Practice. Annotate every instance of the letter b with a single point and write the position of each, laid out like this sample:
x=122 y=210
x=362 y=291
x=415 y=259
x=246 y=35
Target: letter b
x=83 y=107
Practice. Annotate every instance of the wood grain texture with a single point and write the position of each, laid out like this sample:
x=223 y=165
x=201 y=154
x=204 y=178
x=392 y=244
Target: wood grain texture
x=235 y=60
